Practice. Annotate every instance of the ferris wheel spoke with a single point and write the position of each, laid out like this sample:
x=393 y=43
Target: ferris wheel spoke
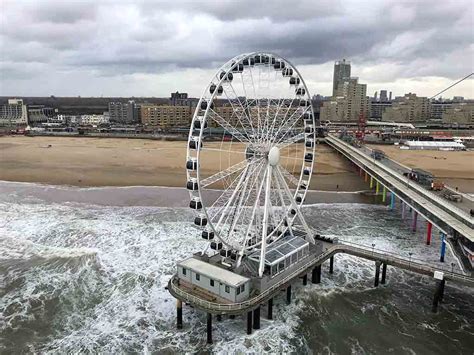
x=229 y=171
x=288 y=126
x=227 y=126
x=286 y=189
x=238 y=113
x=244 y=111
x=289 y=141
x=289 y=176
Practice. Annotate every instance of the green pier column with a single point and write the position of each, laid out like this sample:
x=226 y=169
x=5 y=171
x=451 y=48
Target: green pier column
x=371 y=182
x=377 y=187
x=384 y=194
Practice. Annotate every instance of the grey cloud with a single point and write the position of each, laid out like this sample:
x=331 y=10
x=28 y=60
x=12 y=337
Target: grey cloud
x=120 y=38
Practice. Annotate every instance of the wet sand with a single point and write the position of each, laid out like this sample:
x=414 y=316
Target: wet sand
x=453 y=168
x=89 y=162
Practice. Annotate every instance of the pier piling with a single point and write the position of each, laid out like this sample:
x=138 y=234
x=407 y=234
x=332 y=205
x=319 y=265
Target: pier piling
x=305 y=279
x=371 y=182
x=443 y=247
x=209 y=328
x=249 y=322
x=218 y=317
x=256 y=318
x=270 y=309
x=288 y=294
x=316 y=275
x=384 y=273
x=377 y=273
x=429 y=227
x=392 y=200
x=384 y=194
x=331 y=264
x=179 y=314
x=438 y=295
x=415 y=219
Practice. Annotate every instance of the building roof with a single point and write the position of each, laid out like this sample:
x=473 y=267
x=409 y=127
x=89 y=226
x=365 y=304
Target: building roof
x=281 y=249
x=213 y=272
x=434 y=144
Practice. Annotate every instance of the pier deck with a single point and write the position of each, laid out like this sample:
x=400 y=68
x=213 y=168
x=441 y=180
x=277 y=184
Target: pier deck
x=187 y=295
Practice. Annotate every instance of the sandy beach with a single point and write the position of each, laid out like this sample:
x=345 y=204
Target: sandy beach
x=141 y=162
x=453 y=168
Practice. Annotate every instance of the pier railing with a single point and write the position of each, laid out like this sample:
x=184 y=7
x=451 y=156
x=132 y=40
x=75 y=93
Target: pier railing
x=348 y=248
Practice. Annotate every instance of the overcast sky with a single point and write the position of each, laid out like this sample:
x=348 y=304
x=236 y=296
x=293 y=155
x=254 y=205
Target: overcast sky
x=144 y=48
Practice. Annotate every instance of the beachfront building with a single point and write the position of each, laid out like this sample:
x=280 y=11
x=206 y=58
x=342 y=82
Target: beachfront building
x=409 y=108
x=460 y=114
x=38 y=114
x=165 y=116
x=93 y=120
x=14 y=112
x=124 y=112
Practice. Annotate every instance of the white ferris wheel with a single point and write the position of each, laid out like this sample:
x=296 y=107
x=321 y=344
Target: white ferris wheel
x=250 y=155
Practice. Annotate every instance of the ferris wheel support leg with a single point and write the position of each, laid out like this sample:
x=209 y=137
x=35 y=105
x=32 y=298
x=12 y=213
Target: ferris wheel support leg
x=266 y=211
x=295 y=206
x=241 y=253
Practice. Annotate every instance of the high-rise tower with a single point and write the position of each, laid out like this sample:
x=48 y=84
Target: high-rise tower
x=342 y=72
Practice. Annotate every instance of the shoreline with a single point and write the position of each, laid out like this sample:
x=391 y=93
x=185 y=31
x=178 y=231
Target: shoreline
x=146 y=196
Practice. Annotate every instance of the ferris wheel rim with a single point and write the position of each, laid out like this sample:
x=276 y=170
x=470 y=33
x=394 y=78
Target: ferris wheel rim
x=226 y=68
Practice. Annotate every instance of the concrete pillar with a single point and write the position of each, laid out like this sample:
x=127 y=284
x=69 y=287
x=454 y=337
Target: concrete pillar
x=249 y=322
x=443 y=247
x=270 y=309
x=392 y=200
x=331 y=264
x=256 y=318
x=209 y=328
x=377 y=187
x=403 y=209
x=360 y=171
x=316 y=275
x=415 y=219
x=384 y=273
x=179 y=314
x=305 y=279
x=384 y=194
x=438 y=295
x=366 y=176
x=429 y=227
x=371 y=182
x=377 y=273
x=288 y=294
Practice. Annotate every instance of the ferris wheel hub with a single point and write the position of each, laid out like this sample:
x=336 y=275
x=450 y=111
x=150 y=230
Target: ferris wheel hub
x=274 y=156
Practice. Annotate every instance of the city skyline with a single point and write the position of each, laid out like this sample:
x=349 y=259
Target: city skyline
x=148 y=49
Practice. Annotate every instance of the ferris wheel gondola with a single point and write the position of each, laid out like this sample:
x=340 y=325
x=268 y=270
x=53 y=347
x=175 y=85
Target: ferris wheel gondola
x=247 y=187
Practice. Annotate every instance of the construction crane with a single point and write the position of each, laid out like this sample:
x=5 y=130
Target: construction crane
x=360 y=134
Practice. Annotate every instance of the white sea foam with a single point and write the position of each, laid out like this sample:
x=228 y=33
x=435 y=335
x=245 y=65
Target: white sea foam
x=94 y=277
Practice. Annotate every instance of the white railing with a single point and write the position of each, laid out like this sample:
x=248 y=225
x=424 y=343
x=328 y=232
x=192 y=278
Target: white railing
x=345 y=247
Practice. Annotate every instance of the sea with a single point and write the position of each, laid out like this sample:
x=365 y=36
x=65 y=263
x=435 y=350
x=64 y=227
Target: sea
x=85 y=270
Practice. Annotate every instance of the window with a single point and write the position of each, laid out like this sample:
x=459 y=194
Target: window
x=238 y=290
x=227 y=289
x=211 y=282
x=294 y=258
x=198 y=277
x=184 y=271
x=242 y=288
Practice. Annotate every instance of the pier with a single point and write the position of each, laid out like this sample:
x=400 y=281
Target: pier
x=455 y=225
x=312 y=266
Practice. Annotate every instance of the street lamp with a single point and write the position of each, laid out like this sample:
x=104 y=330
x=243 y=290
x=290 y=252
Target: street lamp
x=452 y=267
x=373 y=246
x=409 y=262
